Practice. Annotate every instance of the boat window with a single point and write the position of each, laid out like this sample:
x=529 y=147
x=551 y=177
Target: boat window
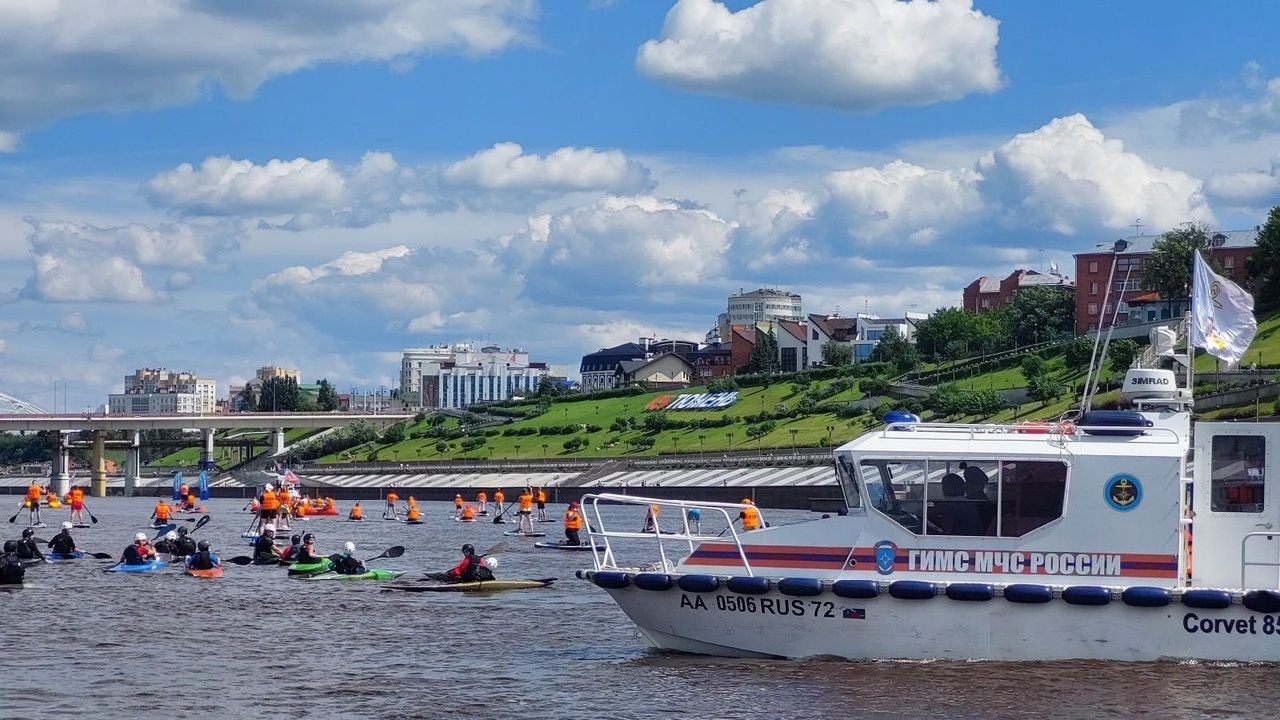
x=848 y=483
x=1031 y=495
x=958 y=502
x=1238 y=475
x=896 y=488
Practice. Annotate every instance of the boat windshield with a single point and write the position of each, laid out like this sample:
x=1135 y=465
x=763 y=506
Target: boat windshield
x=984 y=498
x=848 y=482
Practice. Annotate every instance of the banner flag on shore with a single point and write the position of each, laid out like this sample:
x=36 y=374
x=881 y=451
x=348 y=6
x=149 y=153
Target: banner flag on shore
x=204 y=484
x=292 y=479
x=1222 y=319
x=177 y=485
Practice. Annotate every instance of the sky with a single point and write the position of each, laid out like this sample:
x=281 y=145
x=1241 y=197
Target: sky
x=213 y=187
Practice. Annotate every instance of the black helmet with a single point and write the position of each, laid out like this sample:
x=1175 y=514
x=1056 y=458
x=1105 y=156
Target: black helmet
x=28 y=532
x=308 y=538
x=296 y=539
x=182 y=529
x=10 y=545
x=203 y=545
x=468 y=550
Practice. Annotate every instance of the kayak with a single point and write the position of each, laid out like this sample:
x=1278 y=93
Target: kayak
x=370 y=575
x=565 y=546
x=82 y=525
x=147 y=567
x=54 y=504
x=304 y=569
x=515 y=533
x=210 y=573
x=477 y=586
x=73 y=555
x=322 y=513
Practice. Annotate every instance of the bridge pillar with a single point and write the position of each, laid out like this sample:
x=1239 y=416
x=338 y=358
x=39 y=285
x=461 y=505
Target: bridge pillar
x=98 y=487
x=59 y=468
x=133 y=465
x=206 y=452
x=277 y=442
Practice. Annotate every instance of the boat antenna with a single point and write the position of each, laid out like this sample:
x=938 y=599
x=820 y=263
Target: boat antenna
x=1106 y=343
x=1086 y=397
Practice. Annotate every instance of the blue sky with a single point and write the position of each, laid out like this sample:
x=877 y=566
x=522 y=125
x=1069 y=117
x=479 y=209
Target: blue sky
x=214 y=188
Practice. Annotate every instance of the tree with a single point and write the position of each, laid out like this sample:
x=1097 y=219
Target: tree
x=394 y=434
x=1034 y=366
x=1168 y=267
x=1078 y=352
x=327 y=397
x=894 y=348
x=836 y=354
x=1044 y=388
x=441 y=447
x=1121 y=354
x=248 y=399
x=1040 y=313
x=1264 y=263
x=279 y=394
x=764 y=354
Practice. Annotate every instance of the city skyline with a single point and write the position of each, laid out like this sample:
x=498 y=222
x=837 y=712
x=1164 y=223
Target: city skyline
x=217 y=189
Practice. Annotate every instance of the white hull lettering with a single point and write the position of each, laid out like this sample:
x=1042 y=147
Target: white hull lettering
x=1015 y=563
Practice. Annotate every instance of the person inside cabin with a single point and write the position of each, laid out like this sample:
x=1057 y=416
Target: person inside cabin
x=975 y=488
x=27 y=547
x=348 y=563
x=203 y=559
x=572 y=524
x=63 y=543
x=955 y=515
x=356 y=513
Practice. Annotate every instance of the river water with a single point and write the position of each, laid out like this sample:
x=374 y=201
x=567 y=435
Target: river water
x=254 y=644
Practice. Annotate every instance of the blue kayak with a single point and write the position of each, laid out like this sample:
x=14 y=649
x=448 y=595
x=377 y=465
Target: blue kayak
x=148 y=567
x=73 y=555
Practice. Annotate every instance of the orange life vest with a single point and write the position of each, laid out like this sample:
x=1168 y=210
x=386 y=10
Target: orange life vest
x=412 y=503
x=77 y=495
x=413 y=513
x=481 y=497
x=356 y=512
x=750 y=518
x=497 y=497
x=191 y=500
x=253 y=505
x=457 y=501
x=572 y=520
x=526 y=501
x=468 y=513
x=162 y=511
x=542 y=496
x=270 y=501
x=183 y=489
x=33 y=492
x=392 y=497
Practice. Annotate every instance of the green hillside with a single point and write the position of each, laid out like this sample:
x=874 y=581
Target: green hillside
x=1264 y=351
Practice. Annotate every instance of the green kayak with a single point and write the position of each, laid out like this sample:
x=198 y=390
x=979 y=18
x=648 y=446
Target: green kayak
x=477 y=586
x=304 y=569
x=370 y=575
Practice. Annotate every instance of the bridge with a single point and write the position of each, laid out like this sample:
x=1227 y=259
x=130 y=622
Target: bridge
x=97 y=426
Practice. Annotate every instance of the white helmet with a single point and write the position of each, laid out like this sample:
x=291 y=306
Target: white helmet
x=66 y=526
x=140 y=537
x=171 y=535
x=350 y=548
x=269 y=527
x=491 y=561
x=269 y=487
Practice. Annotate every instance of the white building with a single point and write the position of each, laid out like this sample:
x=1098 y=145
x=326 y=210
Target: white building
x=457 y=376
x=759 y=306
x=861 y=332
x=156 y=391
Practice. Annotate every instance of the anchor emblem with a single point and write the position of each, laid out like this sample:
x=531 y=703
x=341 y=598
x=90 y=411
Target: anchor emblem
x=1123 y=492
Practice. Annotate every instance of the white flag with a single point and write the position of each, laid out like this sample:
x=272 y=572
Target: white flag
x=1221 y=314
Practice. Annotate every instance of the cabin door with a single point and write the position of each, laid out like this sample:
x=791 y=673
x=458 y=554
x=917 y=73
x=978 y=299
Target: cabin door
x=1236 y=528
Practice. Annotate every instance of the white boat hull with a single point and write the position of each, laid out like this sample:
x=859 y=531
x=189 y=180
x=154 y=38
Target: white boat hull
x=774 y=625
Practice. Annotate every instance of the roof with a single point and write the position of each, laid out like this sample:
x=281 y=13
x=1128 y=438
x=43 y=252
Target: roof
x=1033 y=278
x=796 y=328
x=988 y=284
x=1143 y=244
x=766 y=291
x=828 y=324
x=630 y=367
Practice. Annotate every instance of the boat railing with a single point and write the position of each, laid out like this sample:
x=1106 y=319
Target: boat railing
x=1059 y=429
x=687 y=538
x=1245 y=562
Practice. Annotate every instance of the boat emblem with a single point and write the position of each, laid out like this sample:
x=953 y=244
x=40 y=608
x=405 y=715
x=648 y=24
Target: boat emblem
x=1123 y=492
x=886 y=553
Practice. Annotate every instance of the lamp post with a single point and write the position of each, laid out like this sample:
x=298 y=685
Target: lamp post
x=675 y=443
x=831 y=429
x=730 y=437
x=544 y=449
x=793 y=440
x=701 y=449
x=517 y=451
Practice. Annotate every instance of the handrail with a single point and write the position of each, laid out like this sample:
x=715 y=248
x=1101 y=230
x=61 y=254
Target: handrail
x=1245 y=563
x=1064 y=429
x=606 y=558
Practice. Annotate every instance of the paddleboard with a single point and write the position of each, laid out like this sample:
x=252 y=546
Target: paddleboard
x=515 y=533
x=37 y=526
x=562 y=546
x=148 y=567
x=391 y=519
x=82 y=525
x=548 y=520
x=210 y=573
x=355 y=519
x=467 y=520
x=413 y=522
x=477 y=586
x=370 y=575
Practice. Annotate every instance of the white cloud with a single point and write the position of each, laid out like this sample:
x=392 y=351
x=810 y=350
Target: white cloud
x=1250 y=188
x=349 y=264
x=70 y=279
x=2 y=345
x=853 y=55
x=223 y=186
x=1234 y=118
x=126 y=56
x=507 y=166
x=1067 y=177
x=73 y=322
x=903 y=202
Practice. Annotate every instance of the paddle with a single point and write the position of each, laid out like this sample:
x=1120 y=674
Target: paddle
x=204 y=520
x=100 y=556
x=92 y=517
x=498 y=520
x=162 y=531
x=20 y=509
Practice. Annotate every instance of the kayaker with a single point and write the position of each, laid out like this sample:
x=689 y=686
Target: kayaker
x=264 y=548
x=750 y=516
x=307 y=552
x=203 y=559
x=348 y=564
x=182 y=490
x=497 y=501
x=139 y=553
x=412 y=514
x=185 y=545
x=160 y=515
x=457 y=505
x=542 y=505
x=389 y=511
x=468 y=512
x=27 y=547
x=33 y=504
x=190 y=503
x=572 y=524
x=62 y=543
x=295 y=546
x=482 y=501
x=472 y=567
x=166 y=543
x=12 y=572
x=76 y=498
x=525 y=513
x=356 y=513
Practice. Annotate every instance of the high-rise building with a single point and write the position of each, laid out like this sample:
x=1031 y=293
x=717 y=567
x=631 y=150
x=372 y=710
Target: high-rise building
x=759 y=306
x=455 y=376
x=157 y=391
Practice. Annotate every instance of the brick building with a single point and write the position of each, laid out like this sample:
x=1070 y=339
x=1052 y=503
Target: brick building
x=988 y=293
